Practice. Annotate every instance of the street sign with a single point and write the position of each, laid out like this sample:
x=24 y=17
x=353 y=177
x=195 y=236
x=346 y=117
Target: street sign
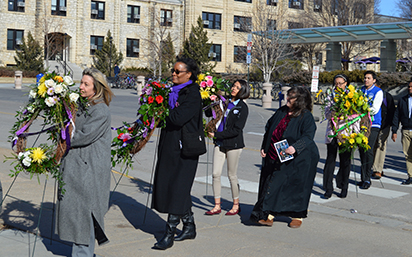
x=314 y=86
x=315 y=73
x=249 y=49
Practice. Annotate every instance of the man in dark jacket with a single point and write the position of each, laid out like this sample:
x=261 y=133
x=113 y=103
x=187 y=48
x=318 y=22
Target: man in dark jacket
x=403 y=115
x=387 y=112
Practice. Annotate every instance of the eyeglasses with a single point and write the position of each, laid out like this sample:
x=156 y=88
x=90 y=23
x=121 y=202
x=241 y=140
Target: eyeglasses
x=177 y=71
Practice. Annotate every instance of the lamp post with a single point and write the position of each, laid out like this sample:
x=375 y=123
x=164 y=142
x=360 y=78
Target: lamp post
x=110 y=57
x=65 y=54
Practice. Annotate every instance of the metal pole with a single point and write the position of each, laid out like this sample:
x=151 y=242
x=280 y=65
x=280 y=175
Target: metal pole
x=110 y=57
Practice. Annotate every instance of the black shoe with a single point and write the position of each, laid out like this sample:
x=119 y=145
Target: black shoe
x=407 y=182
x=365 y=185
x=189 y=228
x=168 y=238
x=327 y=195
x=359 y=183
x=343 y=193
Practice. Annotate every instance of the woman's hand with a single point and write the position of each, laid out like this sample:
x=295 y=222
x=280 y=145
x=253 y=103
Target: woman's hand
x=290 y=150
x=211 y=134
x=262 y=153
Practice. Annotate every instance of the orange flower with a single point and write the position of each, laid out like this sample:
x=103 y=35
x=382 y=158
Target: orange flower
x=58 y=79
x=150 y=100
x=159 y=99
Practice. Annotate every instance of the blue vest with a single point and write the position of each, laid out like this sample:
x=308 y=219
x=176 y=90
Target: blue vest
x=371 y=93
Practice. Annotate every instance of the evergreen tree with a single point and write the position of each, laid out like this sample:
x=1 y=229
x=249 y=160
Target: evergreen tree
x=168 y=54
x=30 y=57
x=105 y=58
x=197 y=47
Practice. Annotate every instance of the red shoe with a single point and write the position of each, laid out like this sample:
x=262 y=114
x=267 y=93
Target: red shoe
x=213 y=211
x=231 y=213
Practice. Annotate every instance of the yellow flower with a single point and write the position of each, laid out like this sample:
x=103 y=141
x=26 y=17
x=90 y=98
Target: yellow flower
x=201 y=77
x=38 y=155
x=336 y=99
x=204 y=94
x=339 y=143
x=351 y=141
x=350 y=94
x=351 y=88
x=353 y=135
x=347 y=104
x=365 y=140
x=42 y=79
x=341 y=118
x=42 y=89
x=360 y=98
x=58 y=79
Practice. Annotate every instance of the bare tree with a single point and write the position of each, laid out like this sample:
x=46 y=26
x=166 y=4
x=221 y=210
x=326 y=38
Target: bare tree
x=159 y=35
x=269 y=45
x=309 y=54
x=330 y=13
x=405 y=8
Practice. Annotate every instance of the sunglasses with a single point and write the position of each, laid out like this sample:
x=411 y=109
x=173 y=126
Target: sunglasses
x=177 y=71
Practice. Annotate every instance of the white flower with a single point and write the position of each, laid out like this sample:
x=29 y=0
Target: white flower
x=68 y=80
x=58 y=89
x=49 y=83
x=33 y=94
x=30 y=108
x=21 y=154
x=27 y=161
x=235 y=111
x=27 y=154
x=50 y=101
x=73 y=97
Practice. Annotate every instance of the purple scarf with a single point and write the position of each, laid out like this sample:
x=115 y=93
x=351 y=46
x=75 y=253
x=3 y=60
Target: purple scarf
x=174 y=94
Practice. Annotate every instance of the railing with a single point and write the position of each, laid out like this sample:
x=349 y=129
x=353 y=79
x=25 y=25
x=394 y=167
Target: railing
x=65 y=67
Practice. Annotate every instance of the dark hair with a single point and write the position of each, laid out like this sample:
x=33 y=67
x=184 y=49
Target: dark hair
x=191 y=66
x=244 y=90
x=343 y=76
x=303 y=100
x=370 y=72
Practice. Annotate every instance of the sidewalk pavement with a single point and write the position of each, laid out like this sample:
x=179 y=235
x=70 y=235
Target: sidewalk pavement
x=132 y=229
x=380 y=227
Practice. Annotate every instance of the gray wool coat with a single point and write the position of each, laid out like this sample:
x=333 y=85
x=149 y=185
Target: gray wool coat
x=86 y=171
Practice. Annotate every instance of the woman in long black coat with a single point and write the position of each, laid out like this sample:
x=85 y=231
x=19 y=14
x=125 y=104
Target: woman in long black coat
x=285 y=187
x=175 y=172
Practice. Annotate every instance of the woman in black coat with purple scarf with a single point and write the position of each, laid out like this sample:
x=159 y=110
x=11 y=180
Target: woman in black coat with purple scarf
x=175 y=173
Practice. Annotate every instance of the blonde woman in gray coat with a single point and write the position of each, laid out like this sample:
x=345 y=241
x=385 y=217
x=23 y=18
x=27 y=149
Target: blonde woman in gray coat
x=86 y=169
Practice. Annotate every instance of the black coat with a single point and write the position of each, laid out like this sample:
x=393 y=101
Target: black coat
x=402 y=115
x=291 y=186
x=232 y=134
x=175 y=173
x=387 y=110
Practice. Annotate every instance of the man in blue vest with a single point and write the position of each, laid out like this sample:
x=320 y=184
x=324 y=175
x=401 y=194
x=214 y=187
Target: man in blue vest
x=403 y=115
x=387 y=112
x=375 y=95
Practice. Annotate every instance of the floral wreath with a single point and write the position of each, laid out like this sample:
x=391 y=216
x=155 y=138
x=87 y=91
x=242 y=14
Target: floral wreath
x=53 y=99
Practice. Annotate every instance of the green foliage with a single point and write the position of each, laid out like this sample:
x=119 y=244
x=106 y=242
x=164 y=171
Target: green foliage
x=354 y=76
x=198 y=48
x=389 y=80
x=30 y=55
x=105 y=58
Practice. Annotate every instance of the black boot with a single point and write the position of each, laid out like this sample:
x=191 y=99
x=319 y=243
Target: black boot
x=168 y=238
x=189 y=228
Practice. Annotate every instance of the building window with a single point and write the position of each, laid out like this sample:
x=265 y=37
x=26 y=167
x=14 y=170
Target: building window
x=216 y=53
x=272 y=2
x=16 y=5
x=295 y=25
x=133 y=14
x=243 y=24
x=14 y=39
x=58 y=7
x=211 y=20
x=246 y=1
x=96 y=43
x=296 y=4
x=239 y=54
x=317 y=5
x=133 y=48
x=359 y=10
x=166 y=17
x=97 y=11
x=271 y=25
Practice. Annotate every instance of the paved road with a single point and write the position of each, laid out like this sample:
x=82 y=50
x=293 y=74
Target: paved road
x=381 y=225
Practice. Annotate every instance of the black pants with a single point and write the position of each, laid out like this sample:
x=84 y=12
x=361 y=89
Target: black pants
x=367 y=156
x=342 y=178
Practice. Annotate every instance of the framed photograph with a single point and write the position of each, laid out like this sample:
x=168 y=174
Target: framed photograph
x=280 y=147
